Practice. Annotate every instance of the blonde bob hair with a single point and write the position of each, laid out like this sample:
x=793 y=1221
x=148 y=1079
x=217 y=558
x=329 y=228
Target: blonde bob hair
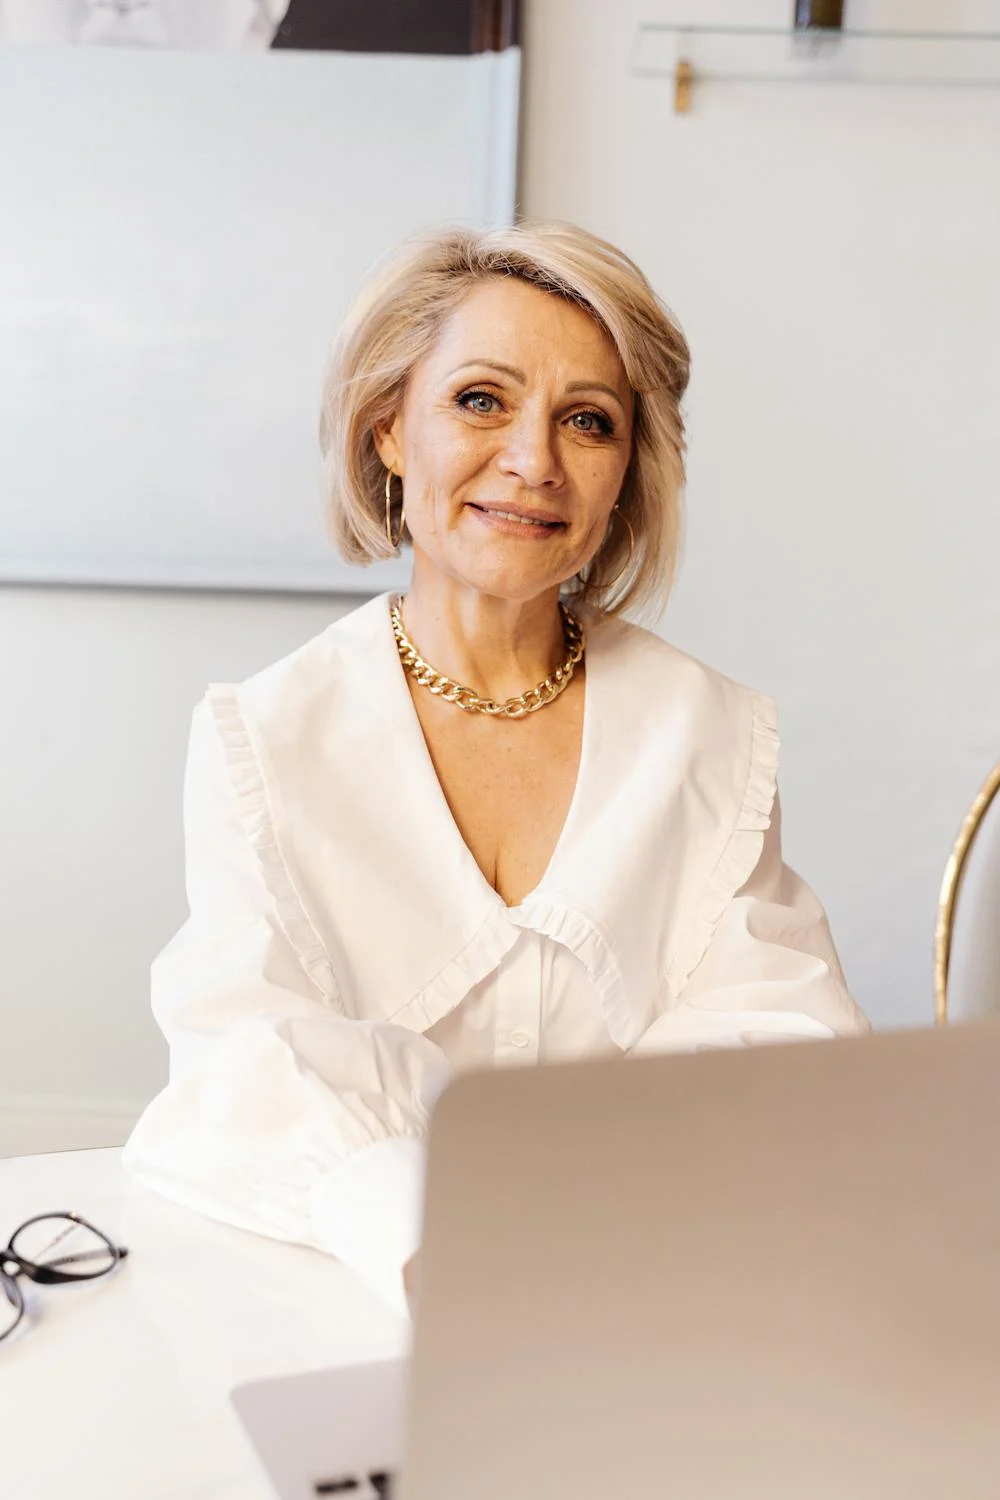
x=394 y=323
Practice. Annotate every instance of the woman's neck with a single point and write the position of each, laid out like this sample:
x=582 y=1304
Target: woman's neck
x=497 y=647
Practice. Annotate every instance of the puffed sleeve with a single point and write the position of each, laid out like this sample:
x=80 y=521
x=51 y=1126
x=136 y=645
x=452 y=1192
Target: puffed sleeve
x=281 y=1115
x=770 y=971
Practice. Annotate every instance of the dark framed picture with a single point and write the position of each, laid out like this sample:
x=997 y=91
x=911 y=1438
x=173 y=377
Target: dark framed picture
x=441 y=27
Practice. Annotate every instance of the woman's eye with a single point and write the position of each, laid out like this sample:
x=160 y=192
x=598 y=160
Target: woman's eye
x=591 y=422
x=485 y=404
x=478 y=401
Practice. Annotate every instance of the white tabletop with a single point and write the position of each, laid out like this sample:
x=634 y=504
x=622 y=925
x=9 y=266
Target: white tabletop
x=120 y=1389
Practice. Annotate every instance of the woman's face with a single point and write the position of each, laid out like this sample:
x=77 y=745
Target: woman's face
x=513 y=441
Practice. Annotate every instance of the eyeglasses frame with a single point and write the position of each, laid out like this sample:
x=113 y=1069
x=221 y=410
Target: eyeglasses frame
x=48 y=1275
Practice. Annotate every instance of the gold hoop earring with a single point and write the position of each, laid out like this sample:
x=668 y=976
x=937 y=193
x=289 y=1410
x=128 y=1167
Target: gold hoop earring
x=394 y=542
x=631 y=551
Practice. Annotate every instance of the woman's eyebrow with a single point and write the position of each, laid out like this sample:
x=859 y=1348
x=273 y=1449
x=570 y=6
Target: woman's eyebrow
x=522 y=379
x=492 y=364
x=597 y=385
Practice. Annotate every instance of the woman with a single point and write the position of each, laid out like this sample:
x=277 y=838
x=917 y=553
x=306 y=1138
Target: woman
x=478 y=826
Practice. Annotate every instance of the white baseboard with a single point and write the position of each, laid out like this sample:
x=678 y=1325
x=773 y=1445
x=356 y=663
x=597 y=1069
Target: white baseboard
x=32 y=1125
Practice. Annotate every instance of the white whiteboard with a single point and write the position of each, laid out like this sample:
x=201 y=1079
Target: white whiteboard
x=179 y=235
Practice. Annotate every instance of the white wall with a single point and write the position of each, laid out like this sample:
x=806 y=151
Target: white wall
x=97 y=691
x=833 y=257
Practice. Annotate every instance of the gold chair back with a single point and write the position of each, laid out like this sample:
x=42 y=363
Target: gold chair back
x=950 y=889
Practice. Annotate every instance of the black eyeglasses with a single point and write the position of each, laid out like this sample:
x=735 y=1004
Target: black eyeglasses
x=51 y=1249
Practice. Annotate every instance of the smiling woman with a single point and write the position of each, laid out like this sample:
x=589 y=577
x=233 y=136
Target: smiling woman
x=537 y=329
x=490 y=823
x=489 y=450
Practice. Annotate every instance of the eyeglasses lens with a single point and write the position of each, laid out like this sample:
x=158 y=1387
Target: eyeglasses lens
x=64 y=1245
x=10 y=1304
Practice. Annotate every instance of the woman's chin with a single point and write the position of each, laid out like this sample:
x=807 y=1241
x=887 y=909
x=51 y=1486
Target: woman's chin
x=501 y=574
x=517 y=585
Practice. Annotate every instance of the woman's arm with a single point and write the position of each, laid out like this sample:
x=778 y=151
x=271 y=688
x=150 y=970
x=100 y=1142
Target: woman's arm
x=281 y=1115
x=770 y=972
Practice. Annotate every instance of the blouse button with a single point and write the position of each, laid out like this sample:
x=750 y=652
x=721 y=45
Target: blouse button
x=519 y=1039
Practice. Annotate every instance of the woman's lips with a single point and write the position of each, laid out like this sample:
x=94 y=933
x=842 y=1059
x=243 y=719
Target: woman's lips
x=514 y=523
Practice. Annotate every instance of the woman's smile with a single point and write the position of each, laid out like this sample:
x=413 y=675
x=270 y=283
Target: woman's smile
x=525 y=525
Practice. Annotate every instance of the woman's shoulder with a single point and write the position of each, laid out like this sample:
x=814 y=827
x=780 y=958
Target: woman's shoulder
x=336 y=661
x=646 y=659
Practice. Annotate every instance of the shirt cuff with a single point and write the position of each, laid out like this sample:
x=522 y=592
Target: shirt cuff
x=368 y=1213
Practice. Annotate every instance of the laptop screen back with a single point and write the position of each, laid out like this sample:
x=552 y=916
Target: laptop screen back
x=764 y=1273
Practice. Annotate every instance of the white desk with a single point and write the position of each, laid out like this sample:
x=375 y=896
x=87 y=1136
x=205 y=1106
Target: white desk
x=119 y=1390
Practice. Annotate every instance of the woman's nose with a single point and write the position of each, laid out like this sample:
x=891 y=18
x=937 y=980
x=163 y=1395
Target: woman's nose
x=530 y=452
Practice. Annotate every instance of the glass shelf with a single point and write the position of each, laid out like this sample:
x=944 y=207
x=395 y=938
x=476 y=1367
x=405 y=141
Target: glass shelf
x=733 y=54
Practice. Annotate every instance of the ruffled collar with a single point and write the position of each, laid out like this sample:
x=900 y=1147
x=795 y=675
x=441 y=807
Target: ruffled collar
x=673 y=796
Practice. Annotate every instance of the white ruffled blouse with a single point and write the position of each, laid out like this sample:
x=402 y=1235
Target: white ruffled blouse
x=345 y=954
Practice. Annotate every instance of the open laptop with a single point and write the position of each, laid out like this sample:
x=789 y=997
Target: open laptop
x=728 y=1276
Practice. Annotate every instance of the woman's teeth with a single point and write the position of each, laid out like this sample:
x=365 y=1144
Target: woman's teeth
x=508 y=515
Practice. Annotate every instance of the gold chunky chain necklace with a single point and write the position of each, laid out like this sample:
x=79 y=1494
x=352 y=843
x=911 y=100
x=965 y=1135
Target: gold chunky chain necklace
x=463 y=697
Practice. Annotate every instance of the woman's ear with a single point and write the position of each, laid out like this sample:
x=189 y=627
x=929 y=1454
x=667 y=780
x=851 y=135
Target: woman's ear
x=389 y=443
